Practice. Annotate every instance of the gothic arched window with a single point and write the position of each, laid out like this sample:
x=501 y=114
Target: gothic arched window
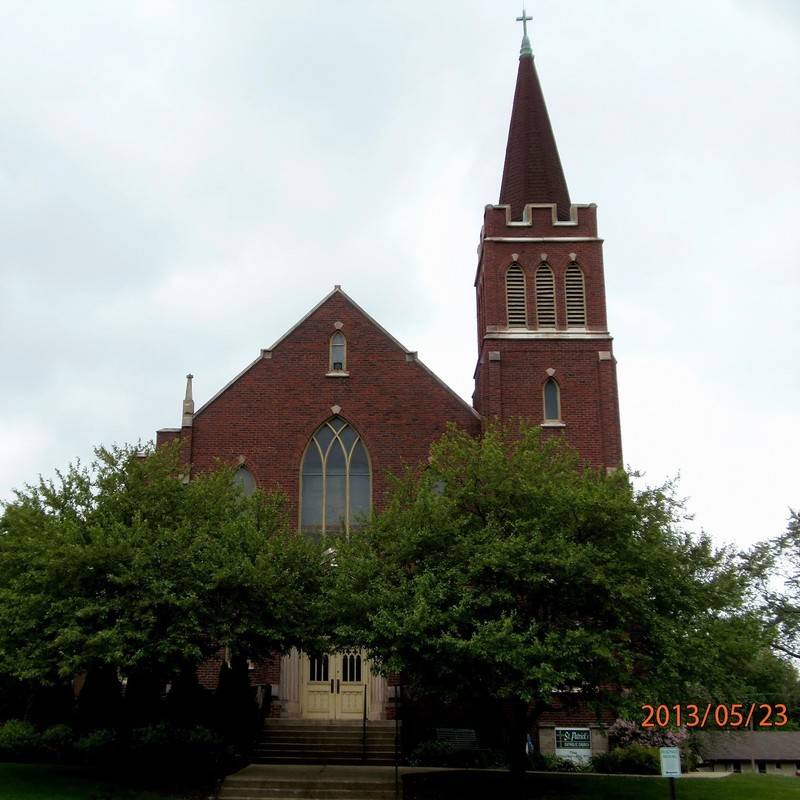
x=515 y=297
x=545 y=297
x=552 y=401
x=576 y=296
x=245 y=480
x=336 y=480
x=338 y=360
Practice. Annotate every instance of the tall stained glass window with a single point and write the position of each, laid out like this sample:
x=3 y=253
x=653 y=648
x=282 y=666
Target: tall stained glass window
x=336 y=480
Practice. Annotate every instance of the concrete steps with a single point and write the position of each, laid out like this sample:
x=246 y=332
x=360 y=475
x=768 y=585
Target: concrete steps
x=311 y=742
x=285 y=782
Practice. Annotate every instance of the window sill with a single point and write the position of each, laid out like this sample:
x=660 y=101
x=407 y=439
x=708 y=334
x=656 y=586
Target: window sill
x=553 y=424
x=337 y=374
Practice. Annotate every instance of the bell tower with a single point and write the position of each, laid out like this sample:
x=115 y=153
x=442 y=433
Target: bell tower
x=544 y=350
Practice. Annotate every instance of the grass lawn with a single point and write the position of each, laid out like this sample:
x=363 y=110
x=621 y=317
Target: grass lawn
x=464 y=786
x=43 y=782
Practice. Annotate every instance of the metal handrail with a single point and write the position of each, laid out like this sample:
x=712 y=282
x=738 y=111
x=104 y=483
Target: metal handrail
x=364 y=728
x=398 y=695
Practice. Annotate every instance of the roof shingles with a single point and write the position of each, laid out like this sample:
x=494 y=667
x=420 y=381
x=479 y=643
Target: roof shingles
x=532 y=171
x=746 y=745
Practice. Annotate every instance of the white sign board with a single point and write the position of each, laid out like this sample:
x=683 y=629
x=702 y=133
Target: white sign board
x=670 y=762
x=574 y=744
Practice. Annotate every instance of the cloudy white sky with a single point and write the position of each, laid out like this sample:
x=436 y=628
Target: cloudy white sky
x=181 y=181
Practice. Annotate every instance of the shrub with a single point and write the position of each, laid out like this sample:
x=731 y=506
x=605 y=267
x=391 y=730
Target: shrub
x=623 y=733
x=635 y=759
x=97 y=747
x=172 y=751
x=432 y=753
x=436 y=753
x=196 y=741
x=58 y=741
x=238 y=717
x=544 y=763
x=18 y=740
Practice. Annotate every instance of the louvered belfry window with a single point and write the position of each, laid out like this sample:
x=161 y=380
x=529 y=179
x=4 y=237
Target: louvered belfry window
x=515 y=297
x=545 y=297
x=576 y=297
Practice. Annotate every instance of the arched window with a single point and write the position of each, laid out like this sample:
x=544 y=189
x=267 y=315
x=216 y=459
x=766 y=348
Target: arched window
x=552 y=401
x=336 y=480
x=576 y=297
x=515 y=297
x=244 y=479
x=338 y=360
x=545 y=297
x=351 y=667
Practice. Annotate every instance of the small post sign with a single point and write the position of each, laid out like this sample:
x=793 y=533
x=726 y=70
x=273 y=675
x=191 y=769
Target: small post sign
x=670 y=766
x=670 y=762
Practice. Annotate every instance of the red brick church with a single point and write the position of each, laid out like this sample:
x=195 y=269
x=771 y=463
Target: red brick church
x=337 y=403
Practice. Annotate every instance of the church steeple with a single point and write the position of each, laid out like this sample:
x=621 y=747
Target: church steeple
x=532 y=171
x=544 y=351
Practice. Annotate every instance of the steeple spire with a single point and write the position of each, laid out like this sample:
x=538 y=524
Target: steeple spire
x=532 y=171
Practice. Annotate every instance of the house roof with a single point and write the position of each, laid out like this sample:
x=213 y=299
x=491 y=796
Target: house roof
x=746 y=745
x=532 y=171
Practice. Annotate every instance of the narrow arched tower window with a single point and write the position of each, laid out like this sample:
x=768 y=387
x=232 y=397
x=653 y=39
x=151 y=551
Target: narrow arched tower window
x=545 y=297
x=338 y=358
x=516 y=308
x=335 y=481
x=576 y=297
x=244 y=479
x=552 y=401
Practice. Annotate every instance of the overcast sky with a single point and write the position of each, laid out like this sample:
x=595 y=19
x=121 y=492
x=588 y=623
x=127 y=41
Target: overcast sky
x=181 y=181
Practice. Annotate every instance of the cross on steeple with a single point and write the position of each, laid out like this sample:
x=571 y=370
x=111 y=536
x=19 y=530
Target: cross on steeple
x=525 y=49
x=524 y=20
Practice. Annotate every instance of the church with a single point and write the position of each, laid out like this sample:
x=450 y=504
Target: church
x=337 y=404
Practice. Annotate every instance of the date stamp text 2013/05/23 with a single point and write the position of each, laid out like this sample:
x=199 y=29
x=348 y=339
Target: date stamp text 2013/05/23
x=718 y=715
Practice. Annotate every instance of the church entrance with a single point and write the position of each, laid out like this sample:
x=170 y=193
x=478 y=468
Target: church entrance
x=335 y=686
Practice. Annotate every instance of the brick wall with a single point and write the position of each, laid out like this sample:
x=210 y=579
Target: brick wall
x=268 y=415
x=513 y=362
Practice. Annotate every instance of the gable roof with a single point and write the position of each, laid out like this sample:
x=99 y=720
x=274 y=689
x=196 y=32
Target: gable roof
x=411 y=354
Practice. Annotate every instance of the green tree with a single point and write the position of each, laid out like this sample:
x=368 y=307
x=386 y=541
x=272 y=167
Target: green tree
x=782 y=605
x=124 y=566
x=507 y=569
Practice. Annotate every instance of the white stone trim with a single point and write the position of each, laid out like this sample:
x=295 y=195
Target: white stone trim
x=546 y=335
x=542 y=239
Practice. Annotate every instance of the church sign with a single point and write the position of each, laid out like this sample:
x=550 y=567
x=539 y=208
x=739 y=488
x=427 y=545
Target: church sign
x=574 y=744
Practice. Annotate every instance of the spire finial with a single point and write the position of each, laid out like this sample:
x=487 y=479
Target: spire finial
x=525 y=49
x=188 y=402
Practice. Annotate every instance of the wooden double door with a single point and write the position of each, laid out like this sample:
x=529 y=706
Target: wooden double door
x=335 y=686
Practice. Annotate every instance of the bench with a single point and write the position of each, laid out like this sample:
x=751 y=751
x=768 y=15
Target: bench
x=458 y=738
